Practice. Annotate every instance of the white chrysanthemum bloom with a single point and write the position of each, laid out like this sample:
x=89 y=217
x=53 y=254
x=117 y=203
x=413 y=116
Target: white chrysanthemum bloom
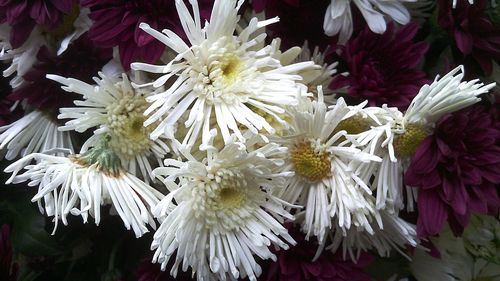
x=473 y=257
x=322 y=76
x=399 y=134
x=34 y=132
x=115 y=108
x=219 y=213
x=338 y=17
x=323 y=182
x=396 y=234
x=80 y=184
x=219 y=74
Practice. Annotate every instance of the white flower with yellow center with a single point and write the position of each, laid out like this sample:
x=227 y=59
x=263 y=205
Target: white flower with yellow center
x=324 y=182
x=219 y=214
x=219 y=73
x=80 y=184
x=34 y=132
x=397 y=136
x=116 y=109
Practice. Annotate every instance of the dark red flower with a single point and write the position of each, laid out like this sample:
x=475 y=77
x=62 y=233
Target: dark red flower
x=296 y=264
x=383 y=67
x=8 y=271
x=81 y=61
x=475 y=34
x=300 y=20
x=148 y=271
x=23 y=15
x=456 y=170
x=116 y=23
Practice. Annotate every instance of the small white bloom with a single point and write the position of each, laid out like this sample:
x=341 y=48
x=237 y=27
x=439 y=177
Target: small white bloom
x=219 y=74
x=324 y=182
x=81 y=25
x=220 y=214
x=34 y=132
x=74 y=185
x=115 y=108
x=338 y=17
x=22 y=59
x=320 y=76
x=395 y=234
x=473 y=257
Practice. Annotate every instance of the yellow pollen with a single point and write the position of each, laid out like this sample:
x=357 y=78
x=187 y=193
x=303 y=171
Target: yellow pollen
x=353 y=125
x=230 y=198
x=230 y=66
x=310 y=164
x=406 y=144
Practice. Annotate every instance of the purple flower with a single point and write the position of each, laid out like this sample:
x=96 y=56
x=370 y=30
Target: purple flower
x=81 y=61
x=116 y=23
x=148 y=271
x=23 y=15
x=457 y=170
x=296 y=264
x=382 y=67
x=8 y=271
x=300 y=20
x=476 y=36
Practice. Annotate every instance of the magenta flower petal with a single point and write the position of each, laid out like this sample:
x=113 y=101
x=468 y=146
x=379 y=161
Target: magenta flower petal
x=382 y=67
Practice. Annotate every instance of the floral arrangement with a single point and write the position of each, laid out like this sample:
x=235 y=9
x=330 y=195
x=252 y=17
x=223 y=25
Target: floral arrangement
x=250 y=140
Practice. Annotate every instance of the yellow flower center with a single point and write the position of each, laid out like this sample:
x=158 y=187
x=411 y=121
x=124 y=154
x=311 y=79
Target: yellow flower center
x=230 y=66
x=310 y=164
x=483 y=279
x=230 y=198
x=406 y=144
x=353 y=125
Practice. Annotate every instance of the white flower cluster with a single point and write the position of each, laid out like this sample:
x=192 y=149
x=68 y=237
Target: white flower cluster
x=243 y=138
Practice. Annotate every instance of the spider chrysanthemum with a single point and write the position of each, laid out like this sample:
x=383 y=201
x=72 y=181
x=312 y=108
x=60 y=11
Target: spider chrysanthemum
x=219 y=214
x=224 y=72
x=114 y=107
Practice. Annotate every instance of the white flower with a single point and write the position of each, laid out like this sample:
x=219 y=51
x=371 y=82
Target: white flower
x=396 y=136
x=116 y=109
x=80 y=184
x=457 y=261
x=396 y=234
x=219 y=74
x=34 y=132
x=338 y=17
x=321 y=76
x=324 y=183
x=220 y=214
